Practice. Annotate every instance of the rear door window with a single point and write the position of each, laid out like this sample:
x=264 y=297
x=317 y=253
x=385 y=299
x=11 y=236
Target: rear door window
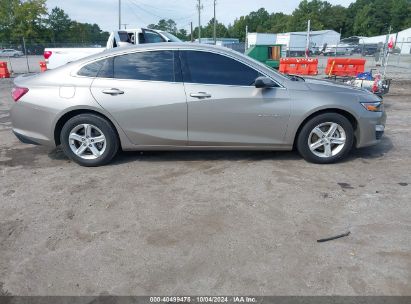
x=152 y=66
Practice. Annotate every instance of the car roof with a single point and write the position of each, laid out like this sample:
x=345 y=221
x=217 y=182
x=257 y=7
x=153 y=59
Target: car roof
x=167 y=45
x=176 y=46
x=158 y=46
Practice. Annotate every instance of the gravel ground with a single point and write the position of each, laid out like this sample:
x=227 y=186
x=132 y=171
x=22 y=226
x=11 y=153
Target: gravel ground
x=189 y=223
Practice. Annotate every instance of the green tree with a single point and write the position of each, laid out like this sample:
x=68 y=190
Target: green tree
x=208 y=30
x=279 y=23
x=373 y=18
x=59 y=25
x=87 y=33
x=182 y=34
x=401 y=15
x=165 y=25
x=308 y=10
x=29 y=20
x=335 y=17
x=7 y=18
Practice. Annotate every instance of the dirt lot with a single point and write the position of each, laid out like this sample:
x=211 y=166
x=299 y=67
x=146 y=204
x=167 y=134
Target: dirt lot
x=188 y=223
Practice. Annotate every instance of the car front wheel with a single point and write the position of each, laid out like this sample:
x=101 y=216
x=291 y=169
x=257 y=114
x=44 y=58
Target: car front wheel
x=326 y=138
x=89 y=140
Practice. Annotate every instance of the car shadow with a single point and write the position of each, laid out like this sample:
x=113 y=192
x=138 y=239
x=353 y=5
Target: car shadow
x=372 y=152
x=165 y=156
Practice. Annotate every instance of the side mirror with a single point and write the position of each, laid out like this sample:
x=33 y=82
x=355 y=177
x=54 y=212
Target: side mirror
x=264 y=82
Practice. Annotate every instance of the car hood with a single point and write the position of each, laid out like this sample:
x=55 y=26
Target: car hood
x=330 y=85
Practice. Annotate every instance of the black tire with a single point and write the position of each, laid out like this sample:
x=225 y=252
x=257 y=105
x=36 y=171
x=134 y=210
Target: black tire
x=111 y=139
x=303 y=138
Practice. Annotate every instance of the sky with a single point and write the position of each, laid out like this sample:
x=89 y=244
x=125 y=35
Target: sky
x=140 y=13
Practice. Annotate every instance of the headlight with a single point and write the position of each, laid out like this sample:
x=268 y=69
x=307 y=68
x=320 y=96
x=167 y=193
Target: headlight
x=373 y=106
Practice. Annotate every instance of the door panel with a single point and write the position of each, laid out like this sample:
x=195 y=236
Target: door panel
x=237 y=115
x=224 y=107
x=150 y=113
x=144 y=93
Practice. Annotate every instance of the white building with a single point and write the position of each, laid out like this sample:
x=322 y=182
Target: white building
x=402 y=39
x=320 y=38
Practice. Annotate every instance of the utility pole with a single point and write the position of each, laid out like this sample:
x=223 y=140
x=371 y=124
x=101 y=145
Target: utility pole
x=199 y=7
x=25 y=53
x=119 y=14
x=192 y=35
x=307 y=47
x=215 y=25
x=246 y=38
x=125 y=25
x=386 y=51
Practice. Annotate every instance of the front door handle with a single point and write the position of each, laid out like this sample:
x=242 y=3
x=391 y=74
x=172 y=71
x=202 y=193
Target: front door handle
x=113 y=92
x=200 y=95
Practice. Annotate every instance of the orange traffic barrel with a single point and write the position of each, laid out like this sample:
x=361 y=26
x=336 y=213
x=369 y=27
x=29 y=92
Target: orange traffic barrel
x=43 y=66
x=4 y=71
x=345 y=66
x=299 y=66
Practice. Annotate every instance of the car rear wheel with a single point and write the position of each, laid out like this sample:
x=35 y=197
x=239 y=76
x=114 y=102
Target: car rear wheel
x=89 y=140
x=326 y=138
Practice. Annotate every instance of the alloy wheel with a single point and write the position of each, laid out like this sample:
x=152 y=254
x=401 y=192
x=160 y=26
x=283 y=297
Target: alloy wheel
x=327 y=139
x=87 y=141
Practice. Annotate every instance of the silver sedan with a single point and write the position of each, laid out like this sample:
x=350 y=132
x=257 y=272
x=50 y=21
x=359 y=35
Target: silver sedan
x=189 y=97
x=10 y=53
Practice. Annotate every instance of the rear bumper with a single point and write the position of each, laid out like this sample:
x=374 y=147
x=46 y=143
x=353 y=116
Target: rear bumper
x=32 y=139
x=32 y=124
x=24 y=139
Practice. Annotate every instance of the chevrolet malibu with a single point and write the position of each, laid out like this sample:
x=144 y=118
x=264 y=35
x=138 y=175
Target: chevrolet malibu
x=189 y=97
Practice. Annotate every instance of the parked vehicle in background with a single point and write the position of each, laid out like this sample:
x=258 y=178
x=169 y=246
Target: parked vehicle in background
x=338 y=50
x=367 y=49
x=10 y=53
x=56 y=57
x=173 y=96
x=395 y=51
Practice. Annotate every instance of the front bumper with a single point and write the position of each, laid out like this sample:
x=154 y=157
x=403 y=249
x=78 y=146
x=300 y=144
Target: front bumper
x=370 y=129
x=379 y=131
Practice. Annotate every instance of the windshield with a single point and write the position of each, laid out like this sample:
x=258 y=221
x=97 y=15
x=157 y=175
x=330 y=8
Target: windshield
x=171 y=37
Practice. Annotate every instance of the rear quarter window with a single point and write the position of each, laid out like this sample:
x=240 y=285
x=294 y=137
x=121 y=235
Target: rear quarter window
x=91 y=70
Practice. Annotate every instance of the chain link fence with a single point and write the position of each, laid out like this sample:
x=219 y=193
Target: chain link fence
x=29 y=48
x=398 y=67
x=30 y=53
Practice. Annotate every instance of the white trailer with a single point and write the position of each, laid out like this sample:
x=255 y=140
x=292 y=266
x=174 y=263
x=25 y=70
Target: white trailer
x=295 y=42
x=402 y=40
x=261 y=39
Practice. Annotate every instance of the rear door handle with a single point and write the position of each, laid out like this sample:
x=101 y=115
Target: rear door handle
x=200 y=95
x=113 y=91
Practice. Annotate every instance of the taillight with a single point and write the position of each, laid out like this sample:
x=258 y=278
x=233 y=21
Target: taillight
x=47 y=54
x=18 y=93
